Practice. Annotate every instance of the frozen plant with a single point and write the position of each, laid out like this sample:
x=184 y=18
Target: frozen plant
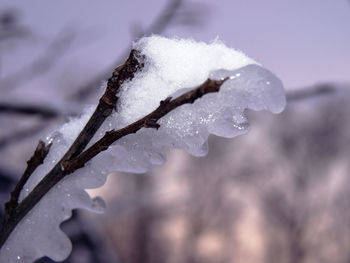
x=169 y=92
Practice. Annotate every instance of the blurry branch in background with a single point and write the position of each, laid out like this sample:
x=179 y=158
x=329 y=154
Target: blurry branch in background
x=193 y=14
x=44 y=112
x=290 y=221
x=10 y=30
x=315 y=91
x=9 y=27
x=58 y=47
x=161 y=22
x=7 y=180
x=175 y=12
x=21 y=135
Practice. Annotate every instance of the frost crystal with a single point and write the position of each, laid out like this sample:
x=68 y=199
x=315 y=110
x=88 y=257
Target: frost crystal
x=172 y=66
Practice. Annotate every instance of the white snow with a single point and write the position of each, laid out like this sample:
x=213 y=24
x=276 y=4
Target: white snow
x=171 y=65
x=174 y=64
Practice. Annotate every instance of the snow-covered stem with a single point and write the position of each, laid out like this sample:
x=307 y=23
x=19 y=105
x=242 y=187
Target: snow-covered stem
x=153 y=101
x=159 y=99
x=149 y=121
x=75 y=158
x=105 y=107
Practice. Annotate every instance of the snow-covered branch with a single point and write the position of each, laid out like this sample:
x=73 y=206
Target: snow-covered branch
x=75 y=158
x=149 y=121
x=169 y=92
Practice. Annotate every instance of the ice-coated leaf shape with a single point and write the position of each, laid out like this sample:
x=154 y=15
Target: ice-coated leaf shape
x=172 y=66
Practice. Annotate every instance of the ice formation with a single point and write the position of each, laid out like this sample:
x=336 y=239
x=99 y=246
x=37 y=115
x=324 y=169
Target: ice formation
x=172 y=66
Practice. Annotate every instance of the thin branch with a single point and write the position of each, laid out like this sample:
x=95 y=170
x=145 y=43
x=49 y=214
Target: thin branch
x=37 y=159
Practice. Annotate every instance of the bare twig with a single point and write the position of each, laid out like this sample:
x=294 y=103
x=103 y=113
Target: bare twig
x=37 y=159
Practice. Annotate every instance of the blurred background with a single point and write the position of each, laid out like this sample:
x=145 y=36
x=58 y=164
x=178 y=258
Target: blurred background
x=280 y=193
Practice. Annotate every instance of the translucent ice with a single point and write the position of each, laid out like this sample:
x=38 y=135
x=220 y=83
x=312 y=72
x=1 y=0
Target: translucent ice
x=172 y=66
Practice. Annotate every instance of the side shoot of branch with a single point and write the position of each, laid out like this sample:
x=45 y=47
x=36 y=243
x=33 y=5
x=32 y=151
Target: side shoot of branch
x=37 y=159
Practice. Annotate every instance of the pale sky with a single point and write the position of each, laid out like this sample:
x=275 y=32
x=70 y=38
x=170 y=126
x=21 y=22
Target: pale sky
x=302 y=41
